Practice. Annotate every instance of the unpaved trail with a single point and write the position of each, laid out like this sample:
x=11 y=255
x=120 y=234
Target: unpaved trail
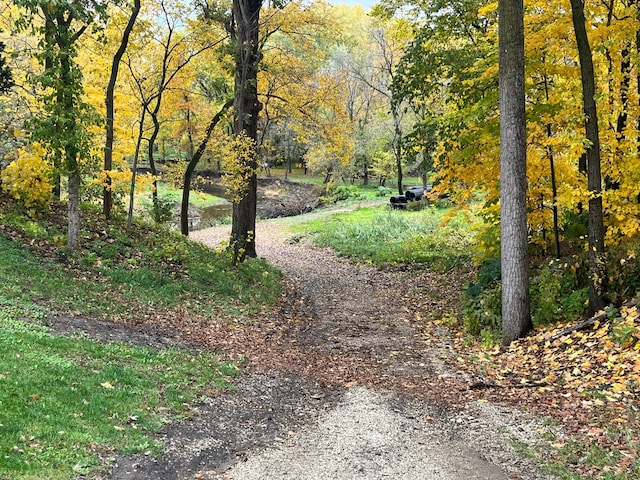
x=346 y=385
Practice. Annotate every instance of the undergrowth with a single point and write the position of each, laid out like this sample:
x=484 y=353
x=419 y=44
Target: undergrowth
x=116 y=272
x=383 y=236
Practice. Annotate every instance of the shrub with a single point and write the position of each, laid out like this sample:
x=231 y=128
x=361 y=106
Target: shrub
x=482 y=302
x=162 y=212
x=28 y=178
x=341 y=192
x=383 y=191
x=624 y=270
x=558 y=291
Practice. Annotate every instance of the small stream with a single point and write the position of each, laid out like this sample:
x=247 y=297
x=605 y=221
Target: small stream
x=200 y=218
x=208 y=216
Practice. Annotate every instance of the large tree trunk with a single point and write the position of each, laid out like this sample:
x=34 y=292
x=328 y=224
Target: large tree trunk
x=246 y=15
x=597 y=259
x=107 y=197
x=516 y=316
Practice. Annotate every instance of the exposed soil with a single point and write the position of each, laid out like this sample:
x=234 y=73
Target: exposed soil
x=278 y=197
x=347 y=379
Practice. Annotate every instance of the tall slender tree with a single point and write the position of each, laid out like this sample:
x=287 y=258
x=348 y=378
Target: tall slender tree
x=107 y=201
x=516 y=316
x=597 y=258
x=64 y=128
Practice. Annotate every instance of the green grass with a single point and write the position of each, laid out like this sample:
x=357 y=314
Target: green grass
x=67 y=403
x=64 y=402
x=383 y=236
x=119 y=273
x=197 y=198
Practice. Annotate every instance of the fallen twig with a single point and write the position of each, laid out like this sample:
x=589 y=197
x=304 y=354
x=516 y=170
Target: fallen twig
x=601 y=317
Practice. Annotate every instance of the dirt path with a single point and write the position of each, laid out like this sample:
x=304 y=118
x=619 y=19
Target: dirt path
x=342 y=383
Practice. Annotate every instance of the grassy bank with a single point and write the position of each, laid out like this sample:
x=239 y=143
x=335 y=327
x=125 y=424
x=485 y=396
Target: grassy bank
x=115 y=273
x=69 y=403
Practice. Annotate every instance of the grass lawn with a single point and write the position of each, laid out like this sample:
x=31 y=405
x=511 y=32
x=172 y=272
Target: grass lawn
x=383 y=236
x=67 y=402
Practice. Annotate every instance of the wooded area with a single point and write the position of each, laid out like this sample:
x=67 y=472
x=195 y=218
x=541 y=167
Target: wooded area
x=504 y=274
x=94 y=89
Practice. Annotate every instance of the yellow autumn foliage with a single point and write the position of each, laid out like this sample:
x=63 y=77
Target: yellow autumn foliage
x=28 y=177
x=467 y=156
x=239 y=159
x=121 y=181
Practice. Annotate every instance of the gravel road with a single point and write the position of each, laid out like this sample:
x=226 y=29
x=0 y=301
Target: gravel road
x=391 y=416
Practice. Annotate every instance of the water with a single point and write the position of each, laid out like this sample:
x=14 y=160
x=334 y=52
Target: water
x=205 y=217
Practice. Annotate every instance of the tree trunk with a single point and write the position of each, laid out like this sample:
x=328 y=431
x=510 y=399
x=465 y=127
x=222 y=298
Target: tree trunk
x=246 y=15
x=50 y=39
x=397 y=149
x=597 y=259
x=152 y=162
x=191 y=166
x=516 y=316
x=134 y=168
x=107 y=196
x=72 y=168
x=73 y=227
x=554 y=196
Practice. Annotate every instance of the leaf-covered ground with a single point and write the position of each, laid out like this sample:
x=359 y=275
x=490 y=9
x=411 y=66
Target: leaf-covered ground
x=389 y=330
x=585 y=376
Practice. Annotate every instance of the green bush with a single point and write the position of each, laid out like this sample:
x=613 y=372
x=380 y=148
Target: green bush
x=383 y=191
x=624 y=270
x=162 y=212
x=558 y=292
x=417 y=205
x=341 y=192
x=482 y=302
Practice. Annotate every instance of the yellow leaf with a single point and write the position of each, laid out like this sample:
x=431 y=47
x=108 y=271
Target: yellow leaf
x=107 y=385
x=619 y=387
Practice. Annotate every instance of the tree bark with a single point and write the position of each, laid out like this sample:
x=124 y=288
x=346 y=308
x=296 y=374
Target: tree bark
x=73 y=211
x=247 y=107
x=107 y=196
x=72 y=168
x=191 y=166
x=597 y=258
x=397 y=149
x=516 y=316
x=134 y=168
